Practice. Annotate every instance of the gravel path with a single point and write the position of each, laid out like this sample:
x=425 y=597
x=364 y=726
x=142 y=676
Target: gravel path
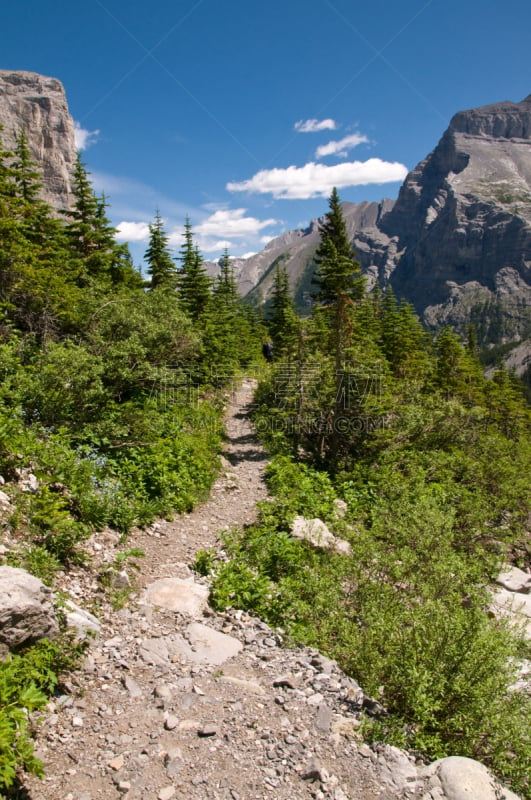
x=175 y=701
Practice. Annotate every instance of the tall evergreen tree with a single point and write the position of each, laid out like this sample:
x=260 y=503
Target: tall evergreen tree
x=402 y=338
x=92 y=234
x=85 y=213
x=338 y=273
x=193 y=281
x=25 y=170
x=226 y=287
x=340 y=286
x=283 y=322
x=161 y=265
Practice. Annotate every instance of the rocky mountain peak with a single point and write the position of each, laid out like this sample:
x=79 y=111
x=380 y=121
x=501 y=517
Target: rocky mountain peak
x=504 y=120
x=37 y=104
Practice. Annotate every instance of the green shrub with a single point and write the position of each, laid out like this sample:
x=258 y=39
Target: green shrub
x=26 y=680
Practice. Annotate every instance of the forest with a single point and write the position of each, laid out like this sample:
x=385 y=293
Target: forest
x=111 y=394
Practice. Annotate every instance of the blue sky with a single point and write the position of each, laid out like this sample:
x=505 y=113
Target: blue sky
x=243 y=115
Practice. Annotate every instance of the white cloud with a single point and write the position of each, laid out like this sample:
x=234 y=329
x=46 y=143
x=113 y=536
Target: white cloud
x=341 y=147
x=132 y=232
x=315 y=125
x=211 y=247
x=318 y=180
x=248 y=255
x=232 y=222
x=84 y=138
x=266 y=239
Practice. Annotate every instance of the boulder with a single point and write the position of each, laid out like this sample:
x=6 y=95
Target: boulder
x=38 y=104
x=204 y=645
x=175 y=594
x=82 y=621
x=26 y=609
x=515 y=607
x=515 y=580
x=465 y=779
x=316 y=532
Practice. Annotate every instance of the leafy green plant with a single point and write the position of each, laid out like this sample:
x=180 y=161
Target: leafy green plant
x=26 y=681
x=204 y=561
x=117 y=585
x=38 y=561
x=239 y=586
x=54 y=526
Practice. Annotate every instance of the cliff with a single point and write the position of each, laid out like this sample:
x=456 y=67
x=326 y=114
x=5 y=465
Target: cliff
x=38 y=105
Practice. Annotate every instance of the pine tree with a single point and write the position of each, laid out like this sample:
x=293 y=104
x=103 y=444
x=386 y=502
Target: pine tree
x=338 y=273
x=226 y=287
x=25 y=170
x=341 y=286
x=402 y=338
x=193 y=282
x=13 y=248
x=283 y=322
x=7 y=173
x=85 y=213
x=161 y=265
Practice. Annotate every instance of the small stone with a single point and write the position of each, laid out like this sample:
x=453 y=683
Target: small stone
x=124 y=786
x=132 y=687
x=315 y=699
x=174 y=761
x=515 y=580
x=340 y=794
x=116 y=763
x=207 y=730
x=77 y=722
x=323 y=720
x=163 y=691
x=171 y=722
x=289 y=681
x=312 y=770
x=166 y=793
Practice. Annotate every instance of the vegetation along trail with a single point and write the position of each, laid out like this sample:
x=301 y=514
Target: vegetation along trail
x=176 y=701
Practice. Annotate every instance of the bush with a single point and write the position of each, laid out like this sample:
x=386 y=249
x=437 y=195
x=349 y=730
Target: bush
x=26 y=681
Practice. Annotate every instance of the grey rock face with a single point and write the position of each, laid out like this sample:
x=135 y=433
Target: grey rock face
x=26 y=610
x=462 y=222
x=38 y=105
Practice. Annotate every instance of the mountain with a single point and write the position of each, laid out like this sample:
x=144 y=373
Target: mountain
x=38 y=105
x=457 y=241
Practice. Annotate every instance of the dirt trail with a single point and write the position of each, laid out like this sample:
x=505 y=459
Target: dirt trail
x=193 y=705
